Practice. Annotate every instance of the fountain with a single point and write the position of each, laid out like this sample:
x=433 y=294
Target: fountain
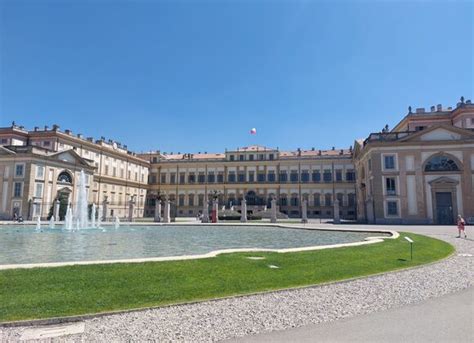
x=117 y=222
x=38 y=223
x=93 y=216
x=99 y=216
x=51 y=222
x=81 y=210
x=68 y=221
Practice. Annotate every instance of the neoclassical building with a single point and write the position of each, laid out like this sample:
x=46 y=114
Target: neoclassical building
x=257 y=174
x=421 y=172
x=41 y=165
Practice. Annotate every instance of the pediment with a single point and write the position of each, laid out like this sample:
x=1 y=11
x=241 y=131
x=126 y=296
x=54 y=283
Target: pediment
x=440 y=133
x=70 y=156
x=444 y=180
x=5 y=151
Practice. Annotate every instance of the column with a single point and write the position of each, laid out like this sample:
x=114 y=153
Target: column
x=304 y=211
x=157 y=210
x=337 y=219
x=166 y=216
x=243 y=207
x=56 y=210
x=273 y=218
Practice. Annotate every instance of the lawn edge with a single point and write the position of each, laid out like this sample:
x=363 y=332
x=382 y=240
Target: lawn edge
x=77 y=318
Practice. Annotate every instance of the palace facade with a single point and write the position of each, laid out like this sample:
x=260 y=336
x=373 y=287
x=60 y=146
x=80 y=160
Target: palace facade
x=257 y=174
x=39 y=166
x=421 y=171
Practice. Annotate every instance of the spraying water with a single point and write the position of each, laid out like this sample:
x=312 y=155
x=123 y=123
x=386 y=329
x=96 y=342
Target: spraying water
x=117 y=222
x=99 y=216
x=81 y=210
x=93 y=216
x=38 y=223
x=68 y=221
x=51 y=222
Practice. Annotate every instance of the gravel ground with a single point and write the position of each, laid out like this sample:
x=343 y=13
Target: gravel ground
x=223 y=319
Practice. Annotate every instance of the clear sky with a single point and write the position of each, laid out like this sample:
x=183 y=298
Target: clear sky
x=196 y=75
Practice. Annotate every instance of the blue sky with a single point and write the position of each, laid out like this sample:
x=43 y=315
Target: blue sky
x=197 y=75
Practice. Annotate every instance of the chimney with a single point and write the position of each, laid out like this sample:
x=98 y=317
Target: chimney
x=68 y=132
x=312 y=149
x=333 y=148
x=90 y=139
x=55 y=127
x=439 y=108
x=36 y=128
x=79 y=135
x=341 y=152
x=468 y=102
x=46 y=127
x=433 y=108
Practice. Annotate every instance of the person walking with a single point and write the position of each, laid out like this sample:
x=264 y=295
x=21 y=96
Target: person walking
x=461 y=224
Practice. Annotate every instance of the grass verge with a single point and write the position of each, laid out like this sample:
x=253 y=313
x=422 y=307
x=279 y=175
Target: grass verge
x=75 y=290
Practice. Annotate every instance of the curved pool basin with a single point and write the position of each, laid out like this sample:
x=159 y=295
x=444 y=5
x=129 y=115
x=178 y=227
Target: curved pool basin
x=26 y=245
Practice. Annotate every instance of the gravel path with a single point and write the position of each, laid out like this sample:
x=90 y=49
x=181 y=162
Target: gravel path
x=223 y=319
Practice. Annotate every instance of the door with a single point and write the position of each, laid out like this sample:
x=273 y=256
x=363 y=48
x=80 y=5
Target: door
x=444 y=208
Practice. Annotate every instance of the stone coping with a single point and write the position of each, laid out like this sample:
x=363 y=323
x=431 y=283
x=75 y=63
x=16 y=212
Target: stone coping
x=368 y=240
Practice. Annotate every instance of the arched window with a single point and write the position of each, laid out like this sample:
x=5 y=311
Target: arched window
x=441 y=163
x=64 y=177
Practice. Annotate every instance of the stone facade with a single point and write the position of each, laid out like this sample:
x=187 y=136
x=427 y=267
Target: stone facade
x=116 y=173
x=421 y=171
x=256 y=173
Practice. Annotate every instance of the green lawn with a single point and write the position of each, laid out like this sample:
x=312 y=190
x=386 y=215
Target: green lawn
x=64 y=291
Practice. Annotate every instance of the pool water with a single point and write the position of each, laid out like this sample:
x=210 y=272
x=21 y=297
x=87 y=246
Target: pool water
x=24 y=244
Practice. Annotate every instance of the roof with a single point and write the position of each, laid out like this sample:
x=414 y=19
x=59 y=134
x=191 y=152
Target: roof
x=316 y=153
x=254 y=148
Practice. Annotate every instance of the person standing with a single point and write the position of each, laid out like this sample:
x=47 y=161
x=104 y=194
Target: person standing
x=461 y=224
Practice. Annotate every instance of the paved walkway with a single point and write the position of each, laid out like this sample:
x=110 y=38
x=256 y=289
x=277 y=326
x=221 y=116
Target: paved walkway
x=446 y=319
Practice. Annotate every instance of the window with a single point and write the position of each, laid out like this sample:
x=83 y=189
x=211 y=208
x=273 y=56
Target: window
x=201 y=178
x=251 y=157
x=182 y=178
x=327 y=175
x=231 y=177
x=283 y=201
x=211 y=178
x=46 y=143
x=392 y=208
x=327 y=199
x=351 y=199
x=390 y=186
x=191 y=199
x=181 y=200
x=153 y=179
x=340 y=198
x=4 y=141
x=39 y=172
x=39 y=190
x=369 y=164
x=441 y=163
x=173 y=178
x=64 y=177
x=316 y=176
x=231 y=157
x=251 y=176
x=350 y=175
x=294 y=200
x=283 y=176
x=241 y=157
x=305 y=176
x=294 y=176
x=220 y=178
x=114 y=171
x=17 y=189
x=419 y=128
x=271 y=157
x=389 y=162
x=19 y=169
x=191 y=178
x=163 y=178
x=338 y=175
x=241 y=177
x=261 y=177
x=317 y=199
x=261 y=157
x=271 y=176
